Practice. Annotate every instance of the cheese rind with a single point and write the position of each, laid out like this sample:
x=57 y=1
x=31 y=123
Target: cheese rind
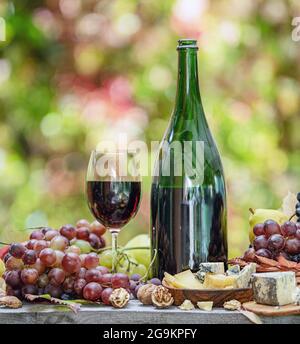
x=274 y=288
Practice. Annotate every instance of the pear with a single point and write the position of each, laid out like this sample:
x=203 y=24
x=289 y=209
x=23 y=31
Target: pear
x=261 y=215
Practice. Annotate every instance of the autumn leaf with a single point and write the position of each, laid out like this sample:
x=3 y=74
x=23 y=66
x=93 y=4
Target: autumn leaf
x=289 y=204
x=266 y=261
x=286 y=263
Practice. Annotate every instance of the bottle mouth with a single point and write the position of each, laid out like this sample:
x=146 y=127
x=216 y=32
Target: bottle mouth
x=187 y=43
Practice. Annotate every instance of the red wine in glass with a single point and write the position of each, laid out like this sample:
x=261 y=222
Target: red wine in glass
x=113 y=203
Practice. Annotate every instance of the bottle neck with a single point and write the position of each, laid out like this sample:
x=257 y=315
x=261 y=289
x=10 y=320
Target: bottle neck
x=188 y=94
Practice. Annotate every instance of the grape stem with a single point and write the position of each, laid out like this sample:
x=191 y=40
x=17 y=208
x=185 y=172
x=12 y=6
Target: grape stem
x=144 y=278
x=122 y=249
x=4 y=243
x=292 y=216
x=251 y=211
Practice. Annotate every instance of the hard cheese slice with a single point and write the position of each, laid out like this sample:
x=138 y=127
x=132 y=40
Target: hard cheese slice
x=205 y=305
x=274 y=288
x=188 y=279
x=219 y=281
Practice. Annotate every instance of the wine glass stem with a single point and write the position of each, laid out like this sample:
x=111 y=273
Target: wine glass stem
x=114 y=246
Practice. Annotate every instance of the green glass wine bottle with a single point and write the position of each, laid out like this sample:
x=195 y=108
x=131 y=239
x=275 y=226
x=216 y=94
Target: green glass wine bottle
x=188 y=195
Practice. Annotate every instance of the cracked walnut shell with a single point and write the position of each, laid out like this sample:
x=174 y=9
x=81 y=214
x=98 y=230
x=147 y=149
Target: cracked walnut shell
x=161 y=297
x=119 y=298
x=144 y=294
x=10 y=301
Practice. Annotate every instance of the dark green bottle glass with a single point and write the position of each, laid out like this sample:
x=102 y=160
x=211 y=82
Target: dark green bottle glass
x=188 y=211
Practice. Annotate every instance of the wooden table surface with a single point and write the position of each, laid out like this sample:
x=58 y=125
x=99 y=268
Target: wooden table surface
x=134 y=313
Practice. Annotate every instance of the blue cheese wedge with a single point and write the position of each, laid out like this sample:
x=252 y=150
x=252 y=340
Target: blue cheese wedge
x=214 y=268
x=274 y=288
x=244 y=277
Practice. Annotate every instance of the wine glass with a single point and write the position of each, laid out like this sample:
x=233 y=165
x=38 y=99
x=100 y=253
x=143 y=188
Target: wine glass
x=113 y=188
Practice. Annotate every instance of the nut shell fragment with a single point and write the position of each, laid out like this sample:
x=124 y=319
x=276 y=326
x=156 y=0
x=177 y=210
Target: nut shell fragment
x=144 y=294
x=232 y=305
x=119 y=298
x=161 y=298
x=10 y=301
x=187 y=305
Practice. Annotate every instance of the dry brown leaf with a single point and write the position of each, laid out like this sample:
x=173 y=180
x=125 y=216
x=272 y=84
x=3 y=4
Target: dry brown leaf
x=267 y=261
x=286 y=263
x=289 y=204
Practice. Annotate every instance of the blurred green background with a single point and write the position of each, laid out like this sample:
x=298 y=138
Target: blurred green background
x=73 y=72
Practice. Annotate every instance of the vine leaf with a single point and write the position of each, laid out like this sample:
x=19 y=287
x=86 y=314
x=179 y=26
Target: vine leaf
x=73 y=306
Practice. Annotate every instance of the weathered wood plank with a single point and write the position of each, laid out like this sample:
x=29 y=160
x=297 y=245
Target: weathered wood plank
x=135 y=313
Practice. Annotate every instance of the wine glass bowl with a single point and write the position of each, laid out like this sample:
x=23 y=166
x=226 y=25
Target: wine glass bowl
x=113 y=189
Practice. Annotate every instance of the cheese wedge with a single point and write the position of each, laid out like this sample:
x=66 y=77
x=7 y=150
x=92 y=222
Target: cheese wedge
x=188 y=279
x=219 y=281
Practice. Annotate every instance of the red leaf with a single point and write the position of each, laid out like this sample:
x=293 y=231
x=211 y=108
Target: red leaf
x=266 y=261
x=286 y=263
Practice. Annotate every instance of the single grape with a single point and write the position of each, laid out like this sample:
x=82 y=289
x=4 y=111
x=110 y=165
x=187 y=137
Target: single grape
x=38 y=235
x=39 y=245
x=93 y=275
x=139 y=269
x=73 y=249
x=79 y=284
x=29 y=276
x=81 y=273
x=132 y=285
x=102 y=242
x=13 y=263
x=155 y=281
x=48 y=256
x=97 y=228
x=249 y=255
x=105 y=280
x=106 y=295
x=13 y=279
x=103 y=269
x=276 y=242
x=43 y=281
x=29 y=257
x=17 y=250
x=94 y=241
x=59 y=243
x=120 y=280
x=51 y=234
x=29 y=289
x=259 y=229
x=71 y=263
x=56 y=276
x=263 y=252
x=54 y=291
x=68 y=285
x=85 y=246
x=260 y=242
x=91 y=261
x=271 y=227
x=106 y=259
x=92 y=291
x=39 y=266
x=68 y=231
x=292 y=246
x=67 y=296
x=59 y=257
x=298 y=211
x=298 y=196
x=83 y=223
x=297 y=235
x=82 y=233
x=30 y=244
x=135 y=277
x=289 y=229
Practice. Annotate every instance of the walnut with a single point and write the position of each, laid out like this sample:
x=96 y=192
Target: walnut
x=161 y=297
x=10 y=301
x=187 y=305
x=144 y=294
x=119 y=298
x=232 y=305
